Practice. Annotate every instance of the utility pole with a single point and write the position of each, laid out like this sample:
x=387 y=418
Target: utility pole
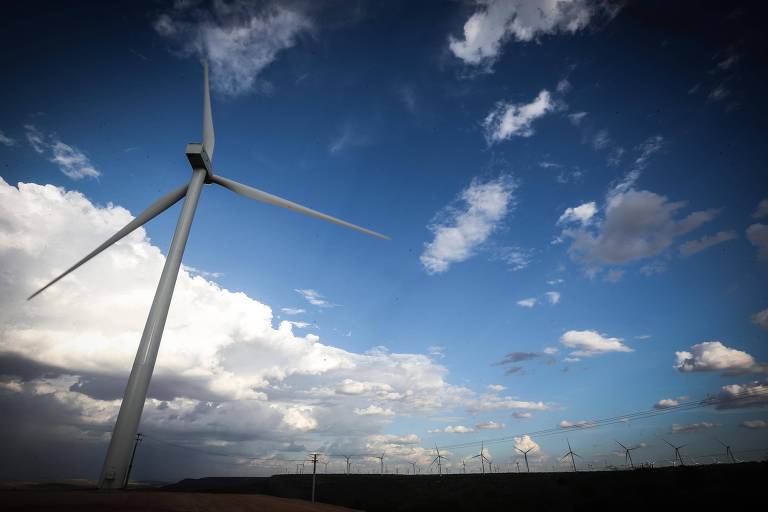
x=133 y=455
x=314 y=474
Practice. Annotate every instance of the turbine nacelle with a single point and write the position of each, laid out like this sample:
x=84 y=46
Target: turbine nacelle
x=199 y=159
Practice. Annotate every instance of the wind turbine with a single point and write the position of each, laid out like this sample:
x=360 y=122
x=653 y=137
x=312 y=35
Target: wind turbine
x=525 y=455
x=381 y=458
x=571 y=453
x=347 y=457
x=483 y=458
x=464 y=465
x=627 y=454
x=439 y=461
x=200 y=157
x=728 y=451
x=413 y=464
x=678 y=457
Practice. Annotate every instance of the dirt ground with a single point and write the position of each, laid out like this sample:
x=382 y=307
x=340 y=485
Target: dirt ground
x=154 y=501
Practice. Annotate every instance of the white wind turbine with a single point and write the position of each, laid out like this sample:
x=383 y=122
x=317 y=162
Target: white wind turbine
x=200 y=156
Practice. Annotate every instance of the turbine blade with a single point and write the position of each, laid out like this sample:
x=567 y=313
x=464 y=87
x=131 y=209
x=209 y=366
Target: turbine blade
x=209 y=139
x=264 y=197
x=150 y=213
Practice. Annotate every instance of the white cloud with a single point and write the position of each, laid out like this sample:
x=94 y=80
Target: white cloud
x=646 y=150
x=525 y=443
x=563 y=86
x=636 y=225
x=292 y=311
x=315 y=298
x=576 y=424
x=591 y=343
x=522 y=415
x=757 y=234
x=551 y=350
x=224 y=369
x=713 y=356
x=458 y=429
x=436 y=351
x=601 y=140
x=497 y=21
x=582 y=214
x=6 y=140
x=238 y=38
x=496 y=387
x=693 y=427
x=577 y=117
x=374 y=410
x=694 y=246
x=755 y=424
x=762 y=210
x=740 y=396
x=460 y=230
x=490 y=425
x=516 y=119
x=527 y=303
x=494 y=402
x=70 y=160
x=553 y=297
x=761 y=318
x=666 y=403
x=515 y=257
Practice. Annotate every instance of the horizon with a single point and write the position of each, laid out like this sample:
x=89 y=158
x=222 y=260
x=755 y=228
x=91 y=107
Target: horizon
x=577 y=202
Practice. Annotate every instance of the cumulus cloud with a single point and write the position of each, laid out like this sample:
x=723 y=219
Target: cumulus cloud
x=493 y=402
x=636 y=225
x=70 y=160
x=490 y=425
x=713 y=356
x=497 y=21
x=577 y=117
x=525 y=443
x=741 y=396
x=581 y=214
x=757 y=234
x=694 y=246
x=591 y=343
x=693 y=427
x=761 y=319
x=508 y=120
x=226 y=371
x=552 y=297
x=522 y=415
x=238 y=38
x=496 y=387
x=667 y=403
x=460 y=229
x=755 y=424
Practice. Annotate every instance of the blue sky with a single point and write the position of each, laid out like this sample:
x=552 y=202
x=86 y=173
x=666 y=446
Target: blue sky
x=465 y=131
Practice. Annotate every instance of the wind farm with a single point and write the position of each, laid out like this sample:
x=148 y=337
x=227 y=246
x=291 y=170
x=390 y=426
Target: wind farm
x=516 y=280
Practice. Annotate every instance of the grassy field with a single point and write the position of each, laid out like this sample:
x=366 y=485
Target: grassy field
x=722 y=486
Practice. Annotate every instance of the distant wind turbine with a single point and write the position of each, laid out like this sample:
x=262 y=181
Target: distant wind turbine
x=413 y=464
x=678 y=457
x=571 y=453
x=200 y=157
x=627 y=454
x=728 y=451
x=439 y=460
x=381 y=458
x=525 y=455
x=483 y=458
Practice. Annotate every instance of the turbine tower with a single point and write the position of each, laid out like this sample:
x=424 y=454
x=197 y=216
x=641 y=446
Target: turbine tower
x=728 y=451
x=678 y=457
x=200 y=157
x=439 y=460
x=347 y=457
x=413 y=464
x=483 y=458
x=381 y=459
x=571 y=453
x=525 y=455
x=627 y=454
